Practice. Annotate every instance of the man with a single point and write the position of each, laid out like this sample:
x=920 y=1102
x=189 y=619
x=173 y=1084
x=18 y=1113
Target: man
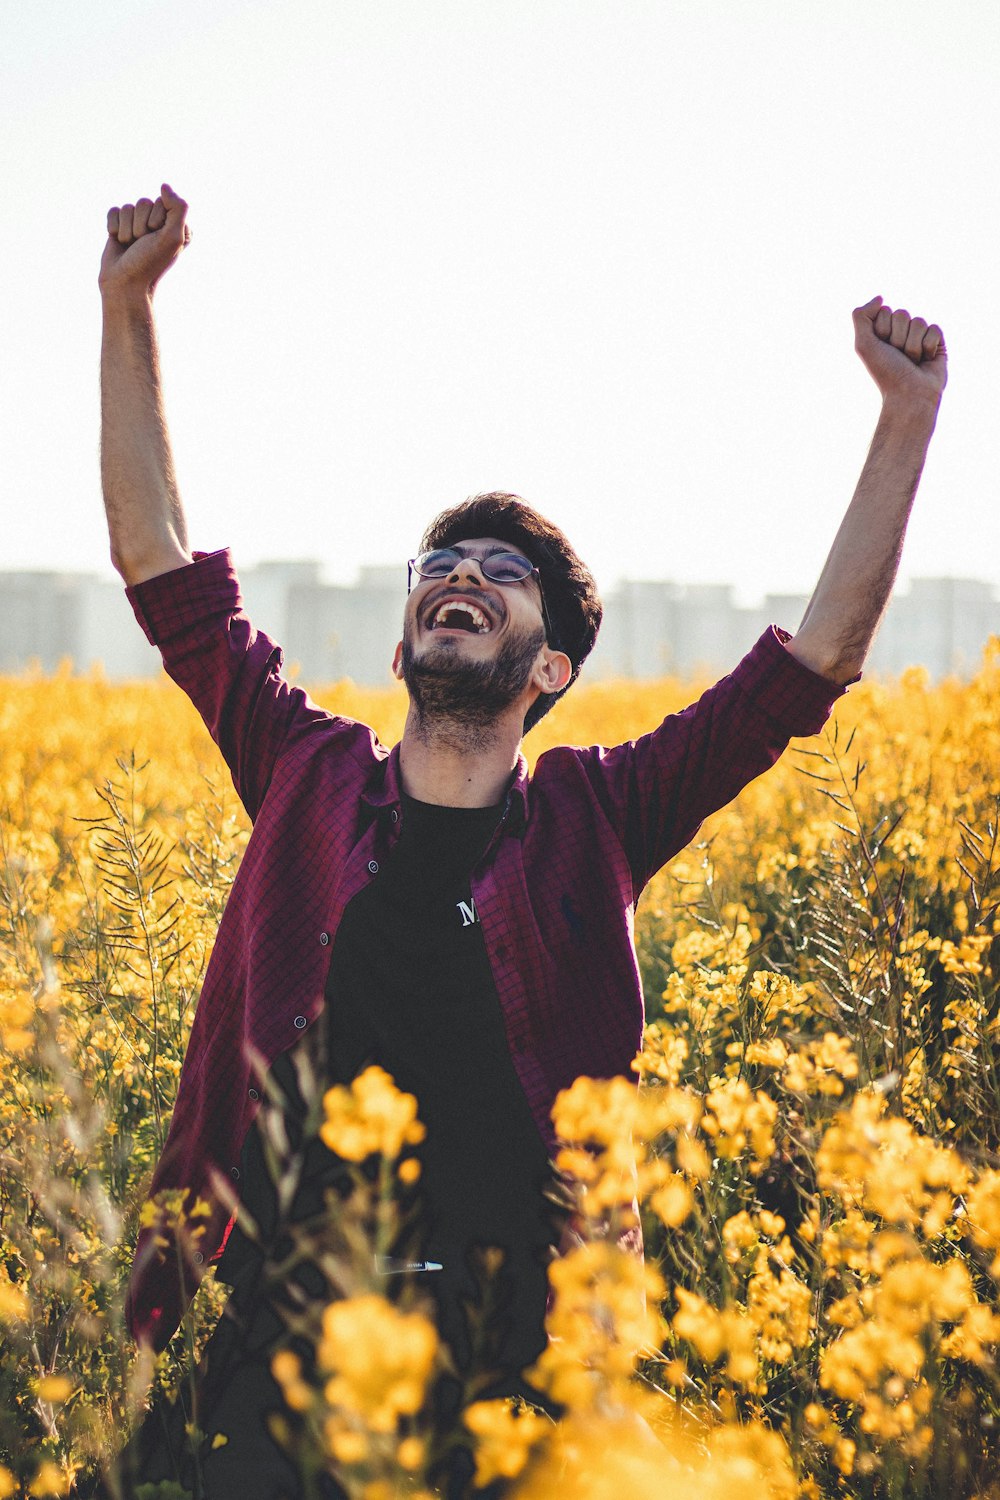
x=434 y=907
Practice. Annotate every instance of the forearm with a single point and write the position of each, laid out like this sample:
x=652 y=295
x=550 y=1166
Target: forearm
x=145 y=517
x=849 y=601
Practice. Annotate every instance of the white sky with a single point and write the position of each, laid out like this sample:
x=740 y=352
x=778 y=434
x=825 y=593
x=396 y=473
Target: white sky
x=599 y=252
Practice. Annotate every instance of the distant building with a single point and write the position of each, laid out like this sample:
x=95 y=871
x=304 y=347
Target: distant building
x=40 y=618
x=940 y=623
x=332 y=631
x=108 y=634
x=329 y=631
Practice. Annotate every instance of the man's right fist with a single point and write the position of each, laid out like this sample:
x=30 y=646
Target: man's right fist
x=144 y=240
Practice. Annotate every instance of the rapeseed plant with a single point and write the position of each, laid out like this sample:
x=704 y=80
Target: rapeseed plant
x=813 y=1149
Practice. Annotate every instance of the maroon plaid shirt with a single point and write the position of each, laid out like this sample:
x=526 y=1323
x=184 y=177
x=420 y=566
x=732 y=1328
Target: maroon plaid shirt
x=555 y=892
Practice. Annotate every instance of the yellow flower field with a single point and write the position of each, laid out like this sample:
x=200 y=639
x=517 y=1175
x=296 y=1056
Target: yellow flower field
x=814 y=1148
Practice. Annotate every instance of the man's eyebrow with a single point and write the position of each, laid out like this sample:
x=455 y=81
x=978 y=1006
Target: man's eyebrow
x=463 y=547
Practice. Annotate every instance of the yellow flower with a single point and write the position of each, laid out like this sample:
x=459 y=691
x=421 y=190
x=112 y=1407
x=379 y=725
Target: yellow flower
x=664 y=1053
x=692 y=1157
x=664 y=1109
x=14 y=1306
x=603 y=1312
x=371 y=1116
x=607 y=1456
x=737 y=1117
x=700 y=1324
x=506 y=1434
x=286 y=1367
x=578 y=1163
x=347 y=1446
x=779 y=1306
x=50 y=1480
x=770 y=1052
x=54 y=1388
x=16 y=1022
x=821 y=1067
x=411 y=1453
x=713 y=1332
x=844 y=1453
x=596 y=1112
x=739 y=1231
x=965 y=957
x=379 y=1359
x=673 y=1203
x=983 y=1215
x=887 y=1167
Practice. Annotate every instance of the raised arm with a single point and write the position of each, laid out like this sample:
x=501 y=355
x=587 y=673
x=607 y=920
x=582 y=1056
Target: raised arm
x=145 y=516
x=908 y=362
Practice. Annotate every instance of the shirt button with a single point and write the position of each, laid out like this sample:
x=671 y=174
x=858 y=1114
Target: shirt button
x=394 y=816
x=198 y=1258
x=324 y=938
x=234 y=1172
x=253 y=1094
x=299 y=1022
x=373 y=866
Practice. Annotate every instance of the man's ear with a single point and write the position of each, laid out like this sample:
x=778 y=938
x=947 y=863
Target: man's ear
x=552 y=671
x=397 y=661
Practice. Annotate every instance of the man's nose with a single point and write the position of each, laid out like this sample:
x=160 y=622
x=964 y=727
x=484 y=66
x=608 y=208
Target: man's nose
x=468 y=570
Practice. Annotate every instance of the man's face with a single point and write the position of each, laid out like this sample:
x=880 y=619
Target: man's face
x=470 y=644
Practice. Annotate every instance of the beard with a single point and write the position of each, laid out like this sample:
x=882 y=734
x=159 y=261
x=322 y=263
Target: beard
x=462 y=700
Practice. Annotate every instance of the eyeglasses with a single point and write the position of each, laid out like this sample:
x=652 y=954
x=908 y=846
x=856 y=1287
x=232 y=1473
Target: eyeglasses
x=499 y=567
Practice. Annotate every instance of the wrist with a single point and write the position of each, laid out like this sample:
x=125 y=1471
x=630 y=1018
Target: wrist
x=911 y=409
x=126 y=301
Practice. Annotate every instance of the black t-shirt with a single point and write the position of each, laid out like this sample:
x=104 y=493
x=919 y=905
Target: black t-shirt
x=410 y=988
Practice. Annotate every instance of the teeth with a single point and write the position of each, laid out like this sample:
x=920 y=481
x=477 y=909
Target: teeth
x=476 y=615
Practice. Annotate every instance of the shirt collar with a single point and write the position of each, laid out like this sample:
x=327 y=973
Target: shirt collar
x=517 y=798
x=385 y=792
x=384 y=789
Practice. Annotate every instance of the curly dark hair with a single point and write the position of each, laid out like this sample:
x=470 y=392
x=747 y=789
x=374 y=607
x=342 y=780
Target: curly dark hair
x=571 y=596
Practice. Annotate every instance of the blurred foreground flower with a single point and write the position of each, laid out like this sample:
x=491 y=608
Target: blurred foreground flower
x=506 y=1432
x=371 y=1117
x=379 y=1360
x=606 y=1458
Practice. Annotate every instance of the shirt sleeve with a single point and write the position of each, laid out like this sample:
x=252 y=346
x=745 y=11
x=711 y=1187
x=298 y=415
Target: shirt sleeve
x=658 y=789
x=230 y=671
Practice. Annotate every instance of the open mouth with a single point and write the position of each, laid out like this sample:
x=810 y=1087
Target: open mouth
x=460 y=614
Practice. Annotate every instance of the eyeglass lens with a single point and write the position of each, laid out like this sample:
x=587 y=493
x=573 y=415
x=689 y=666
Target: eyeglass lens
x=501 y=567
